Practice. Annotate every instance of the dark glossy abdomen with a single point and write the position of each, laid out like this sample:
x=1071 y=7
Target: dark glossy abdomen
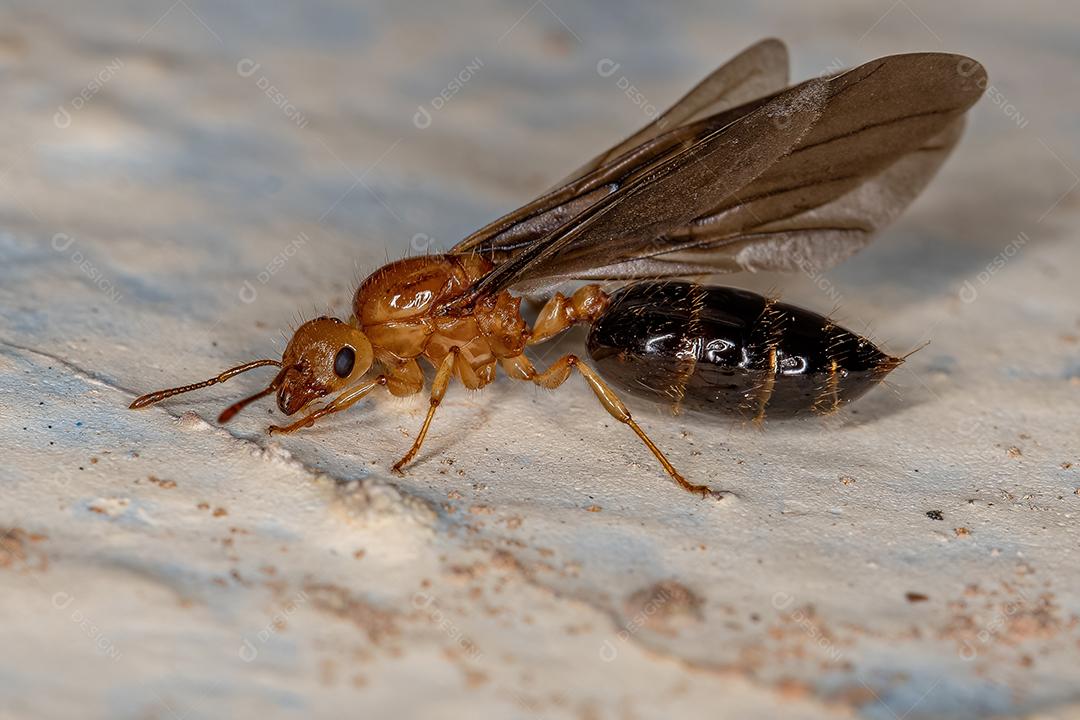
x=724 y=350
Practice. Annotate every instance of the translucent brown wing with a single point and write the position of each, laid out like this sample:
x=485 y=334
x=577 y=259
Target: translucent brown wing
x=814 y=239
x=758 y=71
x=776 y=176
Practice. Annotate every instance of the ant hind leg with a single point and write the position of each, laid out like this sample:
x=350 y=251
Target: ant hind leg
x=558 y=373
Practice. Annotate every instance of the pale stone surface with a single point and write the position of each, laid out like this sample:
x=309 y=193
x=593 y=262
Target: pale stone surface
x=534 y=562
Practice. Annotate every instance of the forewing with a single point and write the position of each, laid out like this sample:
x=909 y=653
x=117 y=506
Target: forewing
x=848 y=130
x=813 y=240
x=670 y=193
x=758 y=71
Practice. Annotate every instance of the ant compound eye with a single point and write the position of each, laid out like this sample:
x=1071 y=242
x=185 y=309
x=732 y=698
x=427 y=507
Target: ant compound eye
x=343 y=361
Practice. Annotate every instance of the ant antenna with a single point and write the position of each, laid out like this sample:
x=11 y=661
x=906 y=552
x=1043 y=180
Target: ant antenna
x=230 y=412
x=160 y=395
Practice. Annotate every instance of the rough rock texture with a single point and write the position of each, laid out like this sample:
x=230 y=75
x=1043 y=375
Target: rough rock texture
x=179 y=183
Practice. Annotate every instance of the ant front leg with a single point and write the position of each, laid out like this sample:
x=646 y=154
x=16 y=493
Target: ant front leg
x=558 y=373
x=438 y=391
x=343 y=401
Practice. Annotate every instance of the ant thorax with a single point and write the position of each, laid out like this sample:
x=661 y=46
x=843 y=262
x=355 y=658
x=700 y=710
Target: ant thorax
x=396 y=307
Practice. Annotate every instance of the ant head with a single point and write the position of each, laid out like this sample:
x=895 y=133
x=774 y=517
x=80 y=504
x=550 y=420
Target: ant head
x=324 y=355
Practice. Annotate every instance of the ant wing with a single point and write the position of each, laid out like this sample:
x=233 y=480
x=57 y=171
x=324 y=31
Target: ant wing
x=758 y=71
x=812 y=240
x=731 y=181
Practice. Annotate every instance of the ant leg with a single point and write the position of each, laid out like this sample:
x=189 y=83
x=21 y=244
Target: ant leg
x=404 y=377
x=343 y=401
x=558 y=373
x=438 y=390
x=561 y=312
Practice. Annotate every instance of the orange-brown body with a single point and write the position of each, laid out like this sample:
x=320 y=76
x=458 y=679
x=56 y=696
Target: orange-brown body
x=397 y=309
x=403 y=312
